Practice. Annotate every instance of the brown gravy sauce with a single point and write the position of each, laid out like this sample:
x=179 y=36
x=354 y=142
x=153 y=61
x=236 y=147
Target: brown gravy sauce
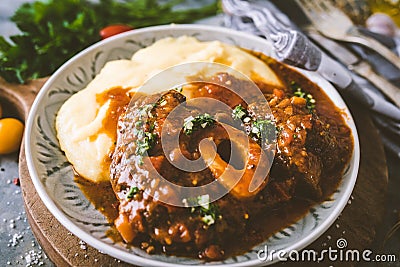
x=103 y=198
x=119 y=99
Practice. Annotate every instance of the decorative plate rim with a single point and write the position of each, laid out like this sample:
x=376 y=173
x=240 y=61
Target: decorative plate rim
x=62 y=217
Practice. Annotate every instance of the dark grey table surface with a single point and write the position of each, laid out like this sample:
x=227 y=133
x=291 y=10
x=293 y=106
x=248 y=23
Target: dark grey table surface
x=18 y=246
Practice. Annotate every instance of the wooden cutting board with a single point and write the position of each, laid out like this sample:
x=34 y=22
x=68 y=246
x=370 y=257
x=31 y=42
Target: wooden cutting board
x=357 y=224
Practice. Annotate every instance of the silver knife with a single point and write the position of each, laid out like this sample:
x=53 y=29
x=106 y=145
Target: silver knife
x=357 y=65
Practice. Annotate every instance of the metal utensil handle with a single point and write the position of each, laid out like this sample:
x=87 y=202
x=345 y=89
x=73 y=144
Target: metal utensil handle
x=359 y=38
x=297 y=50
x=391 y=91
x=334 y=72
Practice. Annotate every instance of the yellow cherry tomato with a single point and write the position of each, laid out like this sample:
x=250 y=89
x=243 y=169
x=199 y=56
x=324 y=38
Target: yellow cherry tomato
x=11 y=132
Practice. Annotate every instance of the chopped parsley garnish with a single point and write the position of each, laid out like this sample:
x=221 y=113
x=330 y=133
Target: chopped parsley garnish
x=179 y=89
x=162 y=102
x=192 y=124
x=145 y=143
x=246 y=119
x=239 y=112
x=133 y=191
x=145 y=111
x=263 y=129
x=310 y=102
x=145 y=139
x=208 y=219
x=209 y=212
x=298 y=91
x=204 y=201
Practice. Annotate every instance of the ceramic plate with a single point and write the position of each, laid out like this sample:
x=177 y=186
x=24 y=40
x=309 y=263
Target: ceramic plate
x=53 y=176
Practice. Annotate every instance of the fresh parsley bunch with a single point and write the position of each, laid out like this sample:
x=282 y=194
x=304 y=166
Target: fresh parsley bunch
x=55 y=30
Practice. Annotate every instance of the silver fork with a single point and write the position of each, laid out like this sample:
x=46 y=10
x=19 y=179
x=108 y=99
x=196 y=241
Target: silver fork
x=334 y=23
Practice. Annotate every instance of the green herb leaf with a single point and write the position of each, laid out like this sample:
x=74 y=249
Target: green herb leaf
x=298 y=91
x=179 y=89
x=145 y=111
x=192 y=124
x=133 y=191
x=208 y=219
x=209 y=211
x=239 y=112
x=162 y=102
x=263 y=129
x=211 y=214
x=145 y=143
x=54 y=31
x=145 y=139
